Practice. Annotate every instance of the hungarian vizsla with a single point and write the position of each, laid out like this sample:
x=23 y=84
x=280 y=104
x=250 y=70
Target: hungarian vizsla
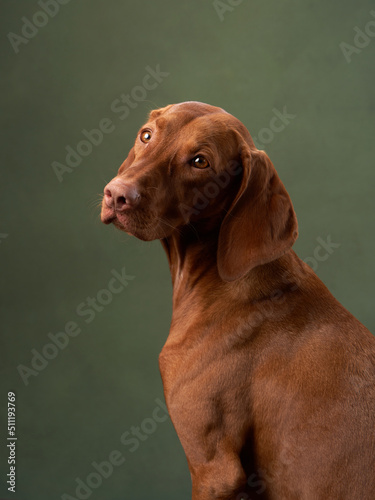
x=268 y=379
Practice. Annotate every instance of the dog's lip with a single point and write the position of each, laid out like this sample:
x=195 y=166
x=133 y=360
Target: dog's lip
x=119 y=219
x=107 y=216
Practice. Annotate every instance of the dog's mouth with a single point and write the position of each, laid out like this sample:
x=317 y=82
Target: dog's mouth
x=143 y=225
x=107 y=216
x=111 y=216
x=131 y=221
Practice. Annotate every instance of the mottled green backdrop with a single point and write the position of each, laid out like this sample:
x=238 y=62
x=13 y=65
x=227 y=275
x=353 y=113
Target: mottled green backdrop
x=66 y=67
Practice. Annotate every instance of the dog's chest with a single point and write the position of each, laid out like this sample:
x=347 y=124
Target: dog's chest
x=202 y=374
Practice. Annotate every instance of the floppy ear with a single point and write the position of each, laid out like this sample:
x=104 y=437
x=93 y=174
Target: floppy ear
x=261 y=224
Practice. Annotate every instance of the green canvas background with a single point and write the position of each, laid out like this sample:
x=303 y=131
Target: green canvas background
x=260 y=56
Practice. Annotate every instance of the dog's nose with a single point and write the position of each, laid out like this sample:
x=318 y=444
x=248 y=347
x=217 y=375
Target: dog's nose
x=120 y=196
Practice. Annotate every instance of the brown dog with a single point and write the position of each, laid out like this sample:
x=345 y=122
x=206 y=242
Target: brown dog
x=269 y=381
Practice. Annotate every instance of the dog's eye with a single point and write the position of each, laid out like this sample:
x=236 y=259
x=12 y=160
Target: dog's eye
x=146 y=136
x=200 y=162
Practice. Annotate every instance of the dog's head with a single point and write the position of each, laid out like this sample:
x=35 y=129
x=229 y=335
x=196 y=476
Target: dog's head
x=196 y=164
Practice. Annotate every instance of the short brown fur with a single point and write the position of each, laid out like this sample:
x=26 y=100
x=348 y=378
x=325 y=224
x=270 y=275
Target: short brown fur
x=269 y=380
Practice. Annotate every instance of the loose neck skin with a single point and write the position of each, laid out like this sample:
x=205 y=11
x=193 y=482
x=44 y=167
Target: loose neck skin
x=192 y=260
x=193 y=265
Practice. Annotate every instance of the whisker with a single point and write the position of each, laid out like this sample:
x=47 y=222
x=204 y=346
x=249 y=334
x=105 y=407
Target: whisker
x=195 y=230
x=97 y=202
x=161 y=219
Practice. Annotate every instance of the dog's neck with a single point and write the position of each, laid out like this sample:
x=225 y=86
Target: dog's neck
x=191 y=257
x=193 y=265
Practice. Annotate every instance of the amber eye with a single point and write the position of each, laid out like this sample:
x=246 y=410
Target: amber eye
x=146 y=136
x=200 y=162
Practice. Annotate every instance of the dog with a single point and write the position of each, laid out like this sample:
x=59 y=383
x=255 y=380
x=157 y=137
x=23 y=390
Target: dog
x=268 y=379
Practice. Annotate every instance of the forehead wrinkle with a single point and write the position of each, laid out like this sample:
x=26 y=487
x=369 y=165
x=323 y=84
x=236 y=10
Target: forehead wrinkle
x=210 y=133
x=177 y=117
x=161 y=122
x=185 y=132
x=172 y=128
